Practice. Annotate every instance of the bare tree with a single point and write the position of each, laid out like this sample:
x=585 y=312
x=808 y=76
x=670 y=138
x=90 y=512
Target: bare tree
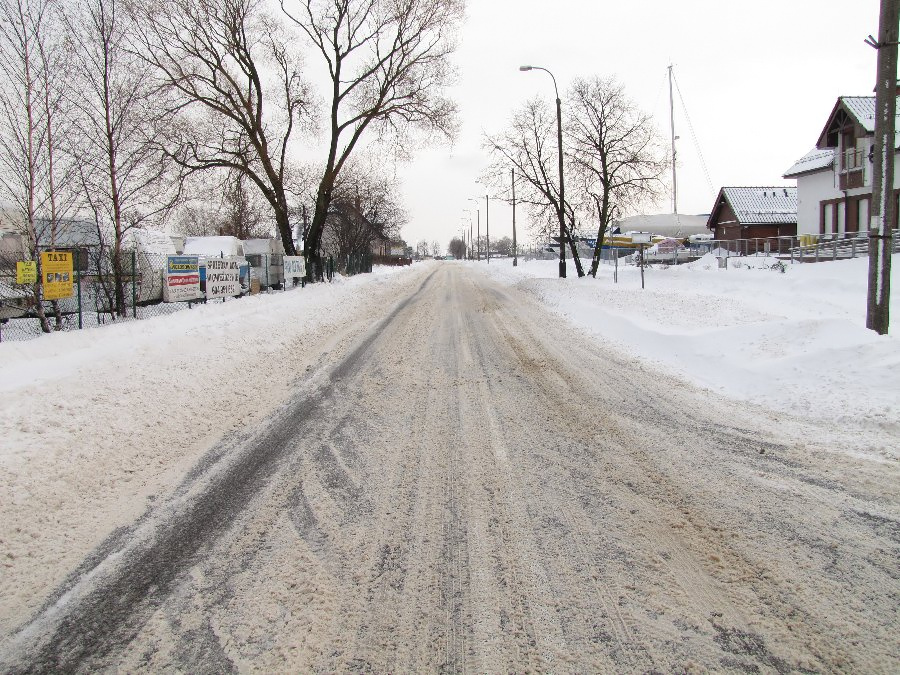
x=365 y=208
x=422 y=249
x=529 y=146
x=503 y=246
x=119 y=130
x=435 y=248
x=457 y=248
x=388 y=65
x=615 y=151
x=236 y=88
x=32 y=175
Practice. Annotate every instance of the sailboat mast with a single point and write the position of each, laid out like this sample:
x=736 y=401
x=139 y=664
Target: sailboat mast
x=672 y=125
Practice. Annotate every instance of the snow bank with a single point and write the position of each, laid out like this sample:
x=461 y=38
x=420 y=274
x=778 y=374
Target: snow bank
x=96 y=423
x=792 y=340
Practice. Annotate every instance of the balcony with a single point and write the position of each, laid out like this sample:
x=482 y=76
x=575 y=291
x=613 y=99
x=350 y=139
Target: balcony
x=852 y=169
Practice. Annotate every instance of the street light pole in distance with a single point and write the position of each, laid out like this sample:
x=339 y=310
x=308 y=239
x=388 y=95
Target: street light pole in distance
x=515 y=247
x=487 y=227
x=478 y=221
x=562 y=193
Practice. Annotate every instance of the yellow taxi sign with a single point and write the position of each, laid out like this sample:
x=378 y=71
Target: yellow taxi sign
x=57 y=274
x=26 y=272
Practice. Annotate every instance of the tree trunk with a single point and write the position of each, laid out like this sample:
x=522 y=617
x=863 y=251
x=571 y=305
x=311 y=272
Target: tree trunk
x=603 y=214
x=575 y=257
x=313 y=242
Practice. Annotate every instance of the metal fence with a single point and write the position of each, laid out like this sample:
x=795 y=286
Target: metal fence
x=106 y=290
x=804 y=248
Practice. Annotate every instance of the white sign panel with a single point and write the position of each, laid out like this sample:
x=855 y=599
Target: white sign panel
x=640 y=237
x=294 y=266
x=223 y=277
x=182 y=280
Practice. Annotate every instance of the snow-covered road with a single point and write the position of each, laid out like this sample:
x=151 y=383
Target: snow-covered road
x=460 y=482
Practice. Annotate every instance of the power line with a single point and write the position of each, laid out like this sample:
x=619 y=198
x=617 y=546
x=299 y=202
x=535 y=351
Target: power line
x=694 y=137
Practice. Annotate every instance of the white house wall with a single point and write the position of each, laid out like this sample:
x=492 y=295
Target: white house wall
x=812 y=189
x=821 y=186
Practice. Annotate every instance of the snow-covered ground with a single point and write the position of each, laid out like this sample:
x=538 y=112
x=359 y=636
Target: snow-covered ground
x=96 y=423
x=794 y=341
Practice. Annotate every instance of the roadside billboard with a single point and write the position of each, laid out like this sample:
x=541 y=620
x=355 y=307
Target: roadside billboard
x=57 y=272
x=182 y=281
x=26 y=272
x=294 y=267
x=223 y=277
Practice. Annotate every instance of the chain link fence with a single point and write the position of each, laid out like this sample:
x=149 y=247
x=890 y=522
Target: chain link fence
x=106 y=289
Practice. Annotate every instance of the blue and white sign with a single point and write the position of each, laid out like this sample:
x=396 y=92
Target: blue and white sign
x=294 y=267
x=182 y=280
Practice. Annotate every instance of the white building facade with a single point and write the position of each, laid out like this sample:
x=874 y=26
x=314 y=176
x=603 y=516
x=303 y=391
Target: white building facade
x=834 y=179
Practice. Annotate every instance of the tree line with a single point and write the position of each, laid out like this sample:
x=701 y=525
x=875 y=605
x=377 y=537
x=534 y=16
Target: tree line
x=244 y=113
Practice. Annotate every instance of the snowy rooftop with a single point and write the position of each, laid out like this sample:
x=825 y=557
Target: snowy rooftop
x=814 y=160
x=211 y=245
x=665 y=224
x=767 y=205
x=863 y=109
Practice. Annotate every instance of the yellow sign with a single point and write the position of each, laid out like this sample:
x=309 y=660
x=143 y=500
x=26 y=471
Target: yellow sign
x=57 y=273
x=26 y=272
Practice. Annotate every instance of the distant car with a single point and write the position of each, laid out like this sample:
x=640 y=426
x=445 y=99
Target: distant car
x=437 y=257
x=449 y=257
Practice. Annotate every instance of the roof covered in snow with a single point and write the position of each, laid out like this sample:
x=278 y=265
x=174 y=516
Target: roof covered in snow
x=213 y=246
x=665 y=224
x=861 y=109
x=759 y=205
x=814 y=160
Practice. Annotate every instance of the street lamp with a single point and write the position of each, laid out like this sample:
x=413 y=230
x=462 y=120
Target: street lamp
x=562 y=193
x=478 y=221
x=487 y=227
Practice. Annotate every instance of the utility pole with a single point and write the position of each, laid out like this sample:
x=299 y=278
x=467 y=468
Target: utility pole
x=882 y=215
x=672 y=125
x=487 y=226
x=515 y=247
x=478 y=241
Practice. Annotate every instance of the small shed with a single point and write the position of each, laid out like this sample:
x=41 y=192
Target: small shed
x=754 y=213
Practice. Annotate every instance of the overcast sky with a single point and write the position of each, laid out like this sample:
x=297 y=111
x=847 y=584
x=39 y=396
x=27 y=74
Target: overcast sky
x=758 y=80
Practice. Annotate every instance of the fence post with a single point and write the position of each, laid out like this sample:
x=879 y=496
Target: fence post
x=133 y=283
x=78 y=282
x=853 y=247
x=834 y=250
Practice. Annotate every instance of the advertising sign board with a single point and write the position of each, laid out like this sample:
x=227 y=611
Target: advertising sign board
x=182 y=278
x=58 y=274
x=294 y=267
x=223 y=277
x=641 y=237
x=26 y=272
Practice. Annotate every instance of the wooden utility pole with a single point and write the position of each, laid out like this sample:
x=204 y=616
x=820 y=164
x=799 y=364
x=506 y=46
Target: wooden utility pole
x=882 y=215
x=515 y=247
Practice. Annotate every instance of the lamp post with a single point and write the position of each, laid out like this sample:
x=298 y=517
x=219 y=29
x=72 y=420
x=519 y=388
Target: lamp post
x=478 y=221
x=515 y=247
x=487 y=227
x=562 y=193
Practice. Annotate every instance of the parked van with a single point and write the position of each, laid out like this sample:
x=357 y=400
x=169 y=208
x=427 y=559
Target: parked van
x=266 y=258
